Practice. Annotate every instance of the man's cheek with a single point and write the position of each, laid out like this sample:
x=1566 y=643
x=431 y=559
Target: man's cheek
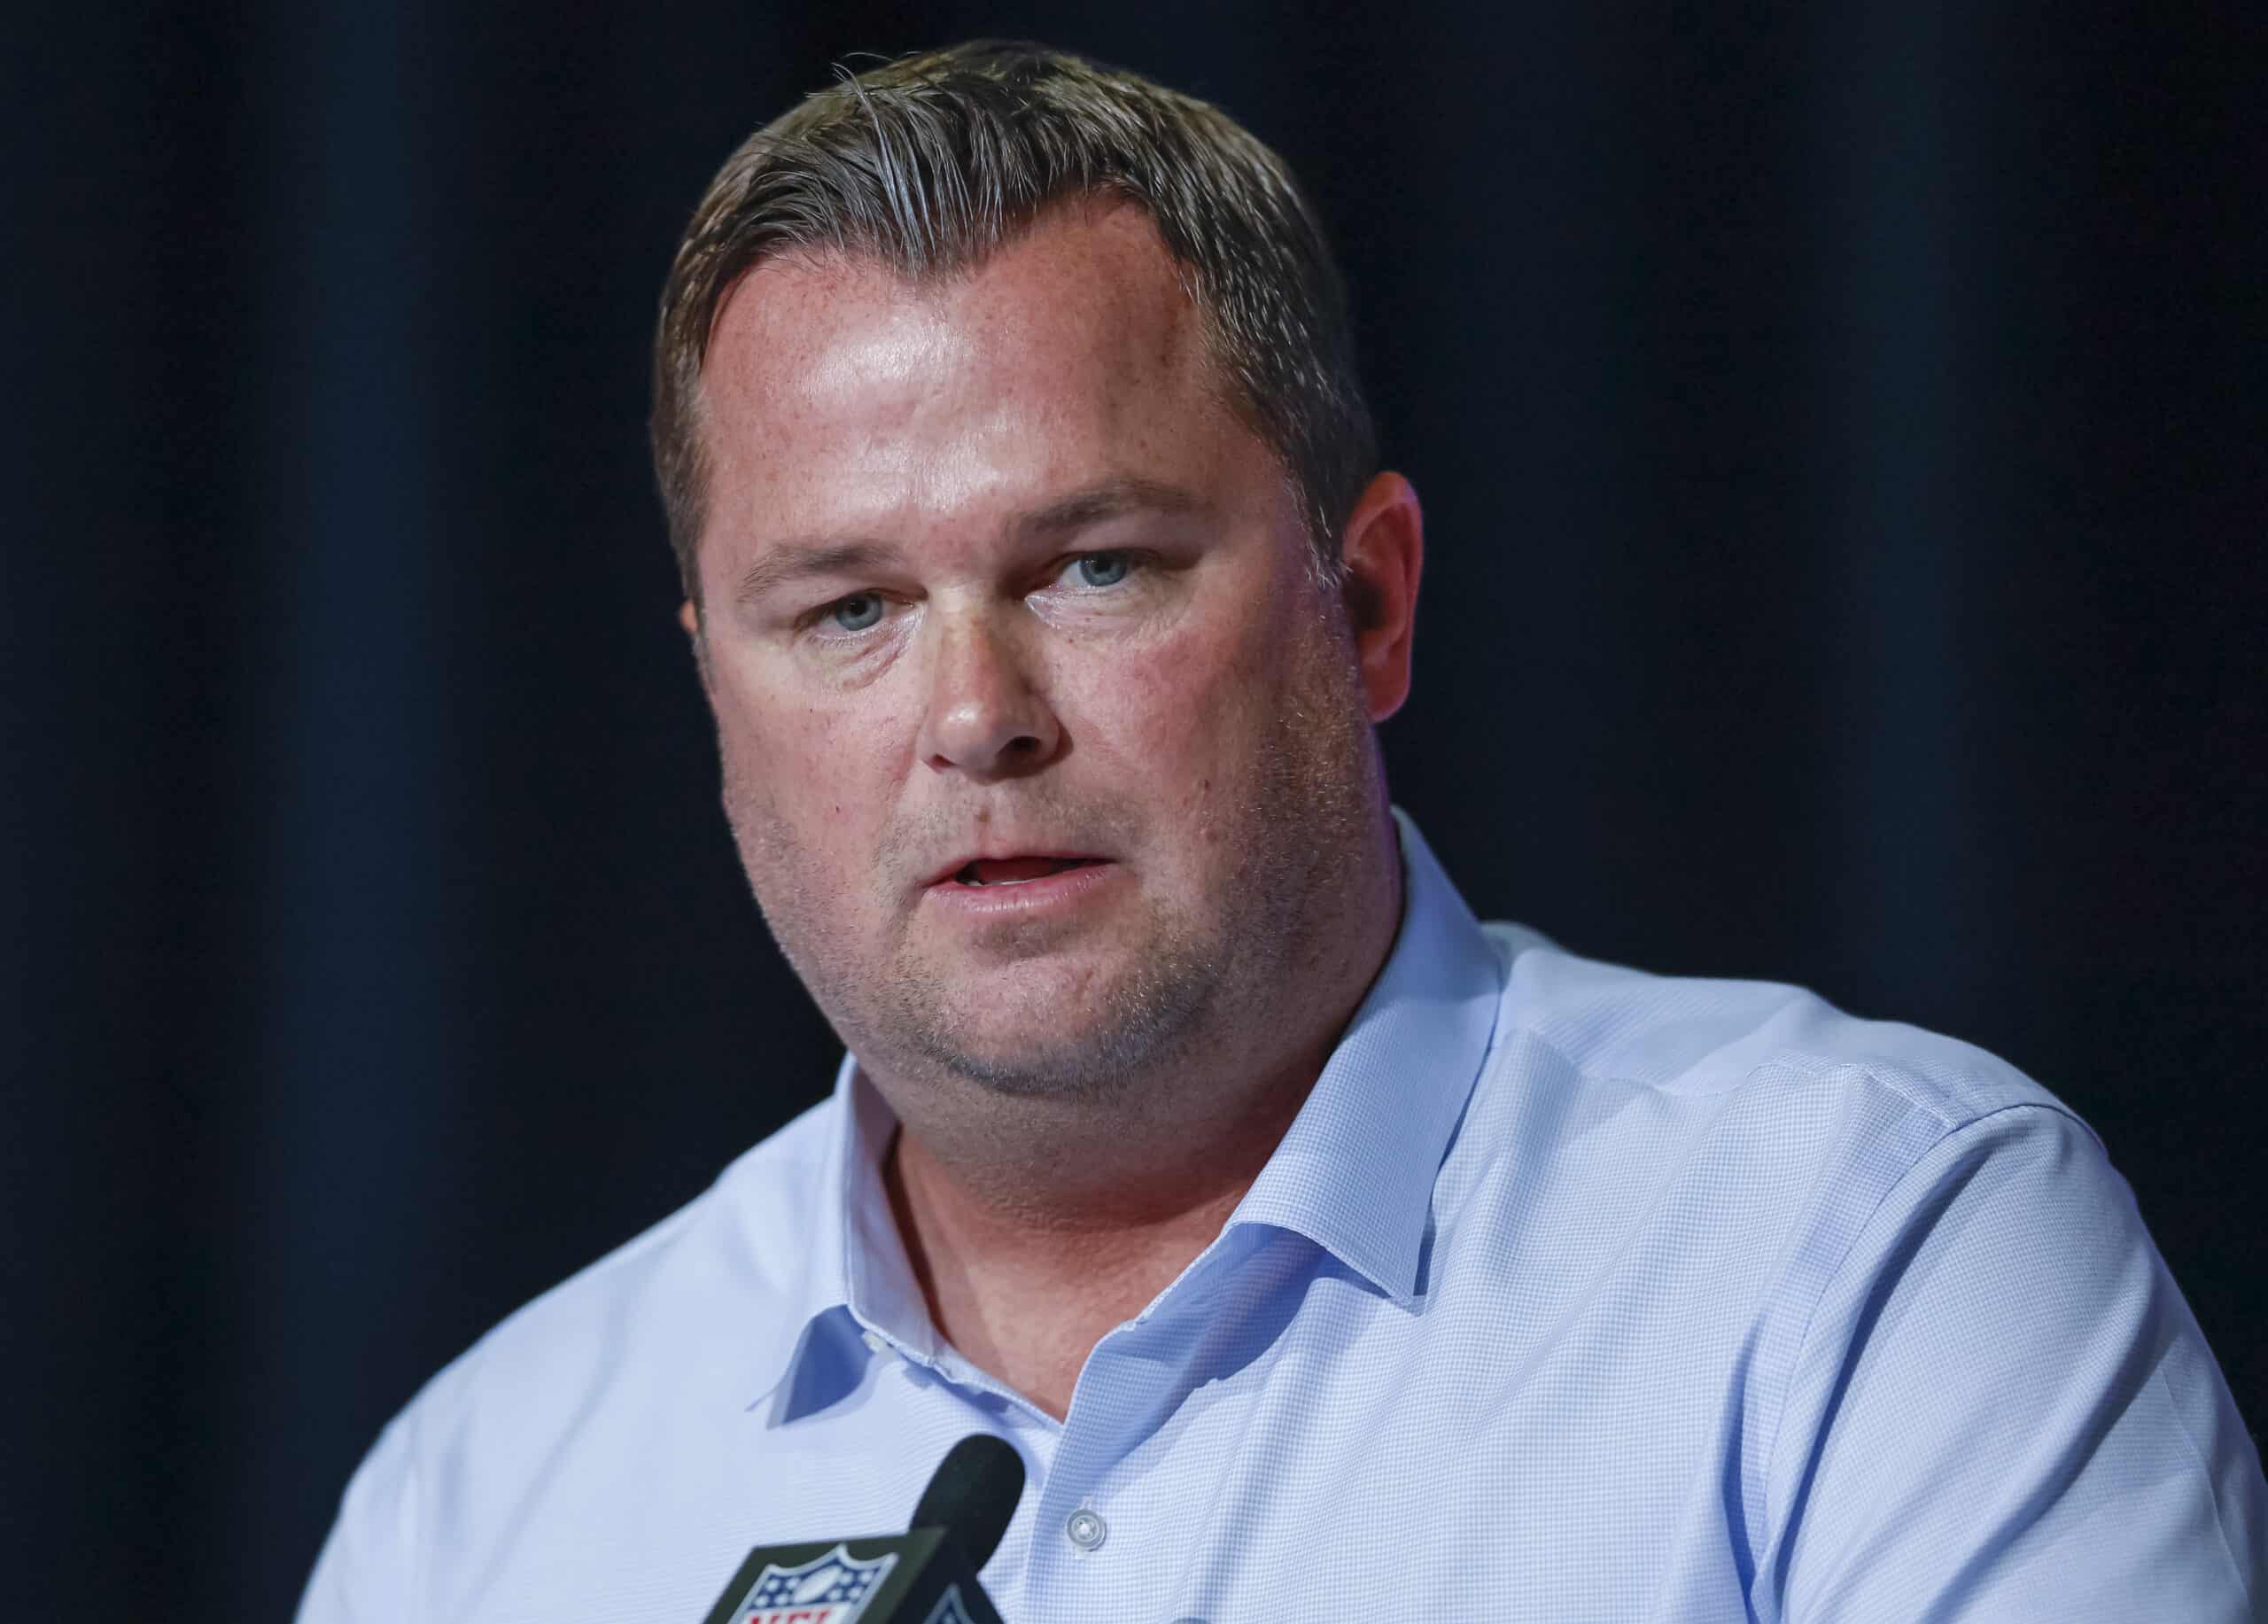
x=1158 y=683
x=804 y=754
x=1183 y=756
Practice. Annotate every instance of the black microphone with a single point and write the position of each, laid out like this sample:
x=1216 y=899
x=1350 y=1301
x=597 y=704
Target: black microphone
x=925 y=1576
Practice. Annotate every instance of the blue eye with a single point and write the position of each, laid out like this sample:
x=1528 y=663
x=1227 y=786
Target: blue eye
x=858 y=612
x=1100 y=569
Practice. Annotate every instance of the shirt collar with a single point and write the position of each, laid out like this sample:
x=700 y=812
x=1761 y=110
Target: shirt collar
x=1353 y=1174
x=856 y=1277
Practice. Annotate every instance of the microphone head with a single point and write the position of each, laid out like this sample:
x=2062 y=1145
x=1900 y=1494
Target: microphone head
x=973 y=1495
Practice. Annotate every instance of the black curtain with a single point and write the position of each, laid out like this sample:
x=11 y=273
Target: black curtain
x=1840 y=435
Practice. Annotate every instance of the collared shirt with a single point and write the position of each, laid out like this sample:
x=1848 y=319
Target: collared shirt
x=1573 y=1292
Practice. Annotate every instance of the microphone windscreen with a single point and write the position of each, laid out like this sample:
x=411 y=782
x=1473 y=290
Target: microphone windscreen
x=973 y=1497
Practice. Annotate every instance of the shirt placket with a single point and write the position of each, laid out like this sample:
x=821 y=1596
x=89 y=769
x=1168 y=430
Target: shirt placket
x=1095 y=1552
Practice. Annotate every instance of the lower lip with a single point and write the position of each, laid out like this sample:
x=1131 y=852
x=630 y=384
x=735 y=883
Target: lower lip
x=1025 y=899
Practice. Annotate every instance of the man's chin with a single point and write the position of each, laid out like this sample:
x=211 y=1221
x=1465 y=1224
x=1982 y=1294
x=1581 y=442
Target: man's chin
x=1071 y=1036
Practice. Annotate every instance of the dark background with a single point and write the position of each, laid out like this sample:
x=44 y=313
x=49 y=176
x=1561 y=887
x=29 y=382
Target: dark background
x=1840 y=435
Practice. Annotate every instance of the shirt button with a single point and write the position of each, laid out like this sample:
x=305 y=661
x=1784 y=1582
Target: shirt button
x=1087 y=1530
x=876 y=1343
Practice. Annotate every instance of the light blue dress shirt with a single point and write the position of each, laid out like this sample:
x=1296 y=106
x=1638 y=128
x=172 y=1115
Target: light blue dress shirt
x=1572 y=1293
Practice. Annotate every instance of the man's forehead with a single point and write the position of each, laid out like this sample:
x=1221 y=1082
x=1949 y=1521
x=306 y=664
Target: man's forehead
x=843 y=396
x=1092 y=278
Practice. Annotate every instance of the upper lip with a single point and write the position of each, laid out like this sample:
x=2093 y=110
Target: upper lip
x=998 y=850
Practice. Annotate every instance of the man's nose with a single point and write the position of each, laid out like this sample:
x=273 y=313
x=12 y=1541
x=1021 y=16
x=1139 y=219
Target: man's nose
x=985 y=716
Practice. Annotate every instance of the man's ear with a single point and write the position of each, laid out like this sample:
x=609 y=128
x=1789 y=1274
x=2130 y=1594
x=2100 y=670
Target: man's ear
x=689 y=617
x=1384 y=549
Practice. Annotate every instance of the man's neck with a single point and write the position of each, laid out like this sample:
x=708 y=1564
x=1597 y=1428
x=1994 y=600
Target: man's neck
x=1035 y=1224
x=1027 y=1302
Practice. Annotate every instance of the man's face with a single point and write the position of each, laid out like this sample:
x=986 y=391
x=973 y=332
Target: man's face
x=1045 y=752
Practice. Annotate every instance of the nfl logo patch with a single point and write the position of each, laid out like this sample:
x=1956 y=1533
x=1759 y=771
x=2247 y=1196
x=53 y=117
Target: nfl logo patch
x=829 y=1589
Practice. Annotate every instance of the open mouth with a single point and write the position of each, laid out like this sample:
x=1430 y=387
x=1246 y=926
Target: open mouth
x=1017 y=870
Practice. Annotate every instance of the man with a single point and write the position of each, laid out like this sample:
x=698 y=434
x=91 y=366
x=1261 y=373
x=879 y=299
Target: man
x=1320 y=1249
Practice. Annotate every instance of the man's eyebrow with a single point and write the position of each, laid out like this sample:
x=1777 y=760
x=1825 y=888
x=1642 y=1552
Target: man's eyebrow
x=794 y=561
x=1107 y=500
x=787 y=562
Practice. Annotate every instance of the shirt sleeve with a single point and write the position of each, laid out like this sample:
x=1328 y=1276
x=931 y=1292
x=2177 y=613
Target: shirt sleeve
x=367 y=1573
x=2004 y=1410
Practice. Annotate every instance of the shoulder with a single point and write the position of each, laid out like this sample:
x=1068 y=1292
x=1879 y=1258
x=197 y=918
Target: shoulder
x=1751 y=1128
x=1912 y=1269
x=1695 y=1038
x=695 y=1306
x=726 y=1266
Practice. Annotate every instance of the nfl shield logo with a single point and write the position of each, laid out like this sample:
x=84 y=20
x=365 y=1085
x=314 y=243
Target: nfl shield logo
x=829 y=1589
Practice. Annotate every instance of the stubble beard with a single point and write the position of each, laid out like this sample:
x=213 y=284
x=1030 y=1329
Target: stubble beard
x=1197 y=981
